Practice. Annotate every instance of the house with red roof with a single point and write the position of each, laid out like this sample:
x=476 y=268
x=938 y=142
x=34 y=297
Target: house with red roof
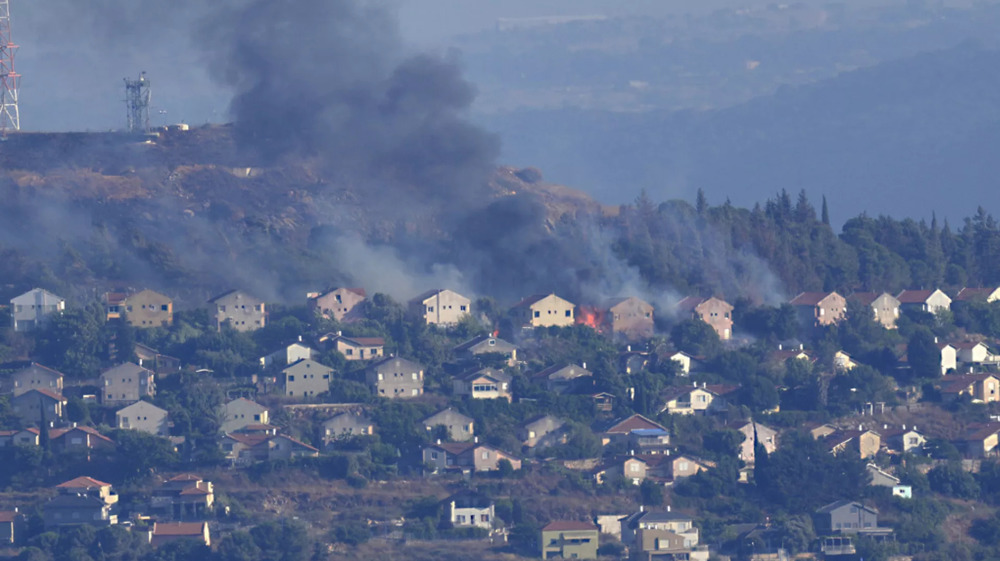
x=570 y=539
x=621 y=429
x=184 y=497
x=36 y=376
x=79 y=439
x=358 y=348
x=165 y=532
x=980 y=440
x=248 y=448
x=818 y=309
x=714 y=311
x=931 y=301
x=969 y=295
x=11 y=526
x=980 y=388
x=83 y=500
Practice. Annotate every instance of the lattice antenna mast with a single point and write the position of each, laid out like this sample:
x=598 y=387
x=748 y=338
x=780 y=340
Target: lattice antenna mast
x=10 y=118
x=137 y=96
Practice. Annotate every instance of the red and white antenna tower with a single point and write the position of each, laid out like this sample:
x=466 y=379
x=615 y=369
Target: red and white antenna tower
x=10 y=119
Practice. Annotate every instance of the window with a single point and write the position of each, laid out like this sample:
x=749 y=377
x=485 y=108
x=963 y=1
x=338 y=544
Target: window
x=682 y=466
x=291 y=378
x=164 y=308
x=538 y=314
x=486 y=455
x=430 y=308
x=462 y=308
x=569 y=313
x=414 y=375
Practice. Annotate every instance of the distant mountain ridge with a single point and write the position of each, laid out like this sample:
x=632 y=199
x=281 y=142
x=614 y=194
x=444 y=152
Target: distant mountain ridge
x=876 y=140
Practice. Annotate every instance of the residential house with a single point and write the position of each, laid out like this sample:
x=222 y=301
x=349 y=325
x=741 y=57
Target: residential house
x=161 y=364
x=239 y=310
x=487 y=345
x=988 y=295
x=569 y=539
x=80 y=440
x=714 y=311
x=340 y=304
x=633 y=362
x=818 y=309
x=758 y=542
x=470 y=510
x=244 y=449
x=83 y=500
x=686 y=362
x=884 y=306
x=143 y=416
x=846 y=517
x=565 y=378
x=11 y=526
x=972 y=352
x=861 y=443
x=184 y=497
x=144 y=309
x=485 y=383
x=36 y=376
x=458 y=426
x=126 y=383
x=931 y=301
x=697 y=400
x=38 y=406
x=902 y=440
x=842 y=362
x=630 y=469
x=763 y=434
x=347 y=424
x=980 y=388
x=241 y=412
x=440 y=307
x=358 y=348
x=630 y=317
x=544 y=310
x=622 y=429
x=949 y=357
x=305 y=378
x=980 y=440
x=881 y=478
x=30 y=309
x=290 y=354
x=542 y=431
x=465 y=457
x=26 y=437
x=166 y=532
x=818 y=431
x=604 y=402
x=395 y=377
x=680 y=466
x=649 y=441
x=667 y=521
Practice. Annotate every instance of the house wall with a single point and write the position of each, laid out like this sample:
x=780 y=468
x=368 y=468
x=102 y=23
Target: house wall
x=306 y=379
x=460 y=429
x=33 y=378
x=685 y=362
x=122 y=386
x=352 y=351
x=488 y=459
x=767 y=436
x=339 y=304
x=850 y=519
x=886 y=308
x=977 y=354
x=718 y=314
x=240 y=311
x=469 y=517
x=537 y=433
x=29 y=310
x=988 y=390
x=633 y=318
x=436 y=459
x=143 y=417
x=938 y=301
x=684 y=467
x=289 y=355
x=443 y=308
x=949 y=359
x=29 y=407
x=149 y=309
x=551 y=311
x=396 y=379
x=831 y=309
x=575 y=544
x=240 y=413
x=482 y=388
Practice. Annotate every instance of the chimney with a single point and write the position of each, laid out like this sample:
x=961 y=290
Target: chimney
x=300 y=338
x=668 y=508
x=695 y=384
x=642 y=508
x=860 y=427
x=340 y=333
x=475 y=440
x=935 y=339
x=439 y=441
x=631 y=452
x=885 y=426
x=628 y=348
x=74 y=424
x=704 y=384
x=584 y=365
x=780 y=347
x=904 y=427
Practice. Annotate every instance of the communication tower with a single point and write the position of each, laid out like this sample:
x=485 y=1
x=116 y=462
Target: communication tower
x=10 y=119
x=137 y=96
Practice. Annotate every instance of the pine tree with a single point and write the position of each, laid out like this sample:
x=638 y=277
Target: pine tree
x=701 y=204
x=825 y=212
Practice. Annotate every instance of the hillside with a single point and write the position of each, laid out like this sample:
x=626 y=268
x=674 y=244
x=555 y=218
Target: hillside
x=190 y=209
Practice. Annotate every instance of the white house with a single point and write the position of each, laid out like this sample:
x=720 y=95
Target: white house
x=30 y=309
x=143 y=416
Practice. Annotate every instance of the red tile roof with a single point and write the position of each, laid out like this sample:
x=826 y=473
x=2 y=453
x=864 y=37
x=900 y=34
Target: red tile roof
x=531 y=300
x=455 y=448
x=626 y=426
x=864 y=298
x=179 y=528
x=690 y=303
x=973 y=294
x=914 y=296
x=82 y=482
x=185 y=477
x=568 y=525
x=8 y=516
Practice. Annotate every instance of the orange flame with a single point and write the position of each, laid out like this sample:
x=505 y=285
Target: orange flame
x=591 y=317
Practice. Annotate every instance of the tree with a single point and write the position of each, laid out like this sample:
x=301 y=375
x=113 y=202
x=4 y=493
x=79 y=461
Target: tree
x=651 y=493
x=950 y=479
x=139 y=453
x=923 y=355
x=695 y=337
